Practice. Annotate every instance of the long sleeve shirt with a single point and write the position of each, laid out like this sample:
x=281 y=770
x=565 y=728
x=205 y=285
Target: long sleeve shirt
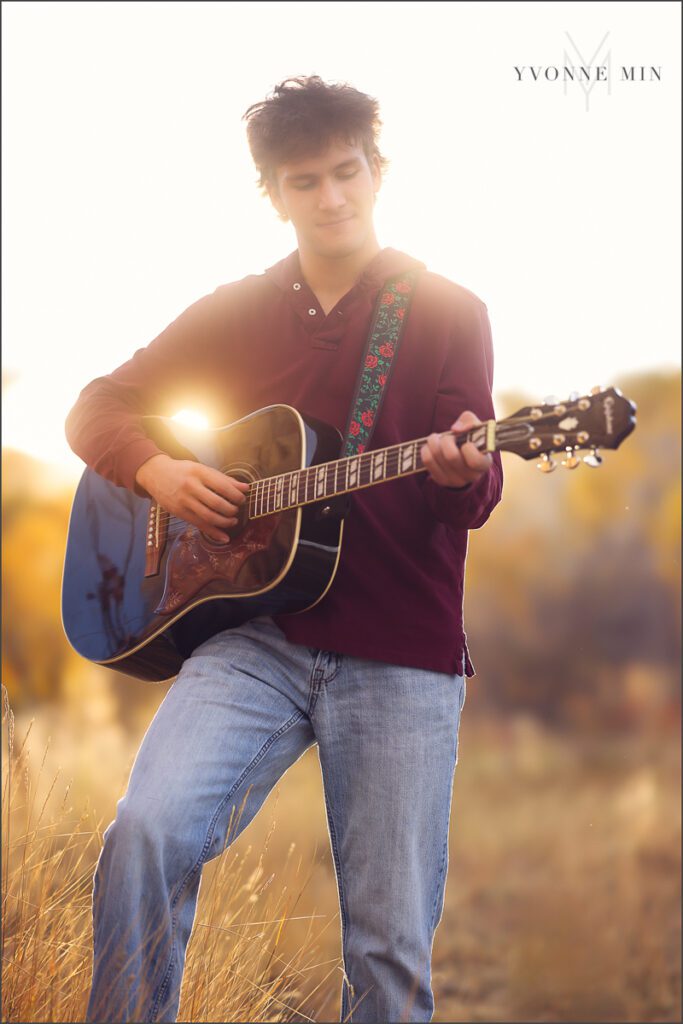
x=397 y=595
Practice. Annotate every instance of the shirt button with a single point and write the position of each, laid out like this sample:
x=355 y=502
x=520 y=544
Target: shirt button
x=312 y=312
x=296 y=286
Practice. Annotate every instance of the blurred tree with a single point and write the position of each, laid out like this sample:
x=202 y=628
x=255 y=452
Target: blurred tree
x=576 y=576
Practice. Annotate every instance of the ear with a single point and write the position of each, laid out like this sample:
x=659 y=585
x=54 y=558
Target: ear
x=276 y=200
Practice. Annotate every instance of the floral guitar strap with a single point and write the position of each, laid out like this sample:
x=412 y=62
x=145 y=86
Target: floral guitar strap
x=389 y=318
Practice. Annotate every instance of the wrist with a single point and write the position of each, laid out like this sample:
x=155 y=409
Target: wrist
x=147 y=468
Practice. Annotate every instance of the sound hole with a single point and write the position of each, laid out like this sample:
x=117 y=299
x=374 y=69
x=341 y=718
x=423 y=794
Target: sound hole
x=245 y=473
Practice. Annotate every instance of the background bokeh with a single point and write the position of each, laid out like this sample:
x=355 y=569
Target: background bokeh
x=127 y=194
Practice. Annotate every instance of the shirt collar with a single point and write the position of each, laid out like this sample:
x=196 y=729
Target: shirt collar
x=386 y=263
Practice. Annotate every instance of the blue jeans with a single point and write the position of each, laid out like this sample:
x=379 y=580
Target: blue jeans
x=245 y=707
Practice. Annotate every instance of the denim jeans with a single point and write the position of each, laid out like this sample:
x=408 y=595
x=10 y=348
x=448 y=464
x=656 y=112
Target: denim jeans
x=245 y=706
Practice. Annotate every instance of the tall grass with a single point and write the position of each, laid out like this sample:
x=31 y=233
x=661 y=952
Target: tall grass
x=239 y=966
x=562 y=901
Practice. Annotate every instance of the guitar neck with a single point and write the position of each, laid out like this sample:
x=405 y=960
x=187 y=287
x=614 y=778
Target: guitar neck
x=331 y=479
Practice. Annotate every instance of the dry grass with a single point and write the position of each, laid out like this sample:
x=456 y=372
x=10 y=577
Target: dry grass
x=241 y=965
x=563 y=898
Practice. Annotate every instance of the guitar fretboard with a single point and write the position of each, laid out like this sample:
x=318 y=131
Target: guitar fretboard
x=330 y=479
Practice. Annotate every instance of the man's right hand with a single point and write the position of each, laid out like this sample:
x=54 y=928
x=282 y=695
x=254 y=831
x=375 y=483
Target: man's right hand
x=196 y=493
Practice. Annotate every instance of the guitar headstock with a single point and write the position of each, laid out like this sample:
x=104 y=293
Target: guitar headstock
x=601 y=419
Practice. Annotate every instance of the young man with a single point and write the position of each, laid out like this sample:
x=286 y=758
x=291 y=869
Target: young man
x=375 y=672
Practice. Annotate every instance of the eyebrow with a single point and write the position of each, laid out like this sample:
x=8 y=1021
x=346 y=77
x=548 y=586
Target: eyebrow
x=339 y=167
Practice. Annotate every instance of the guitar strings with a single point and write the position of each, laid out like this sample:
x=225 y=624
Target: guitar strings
x=259 y=494
x=508 y=431
x=502 y=434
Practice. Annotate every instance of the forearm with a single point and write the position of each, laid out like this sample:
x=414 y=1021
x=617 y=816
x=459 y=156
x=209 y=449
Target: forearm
x=463 y=485
x=106 y=426
x=107 y=433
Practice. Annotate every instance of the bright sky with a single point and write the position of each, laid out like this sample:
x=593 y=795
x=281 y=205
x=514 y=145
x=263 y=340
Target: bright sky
x=128 y=189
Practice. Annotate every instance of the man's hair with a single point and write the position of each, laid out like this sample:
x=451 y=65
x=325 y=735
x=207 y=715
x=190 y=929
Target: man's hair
x=302 y=116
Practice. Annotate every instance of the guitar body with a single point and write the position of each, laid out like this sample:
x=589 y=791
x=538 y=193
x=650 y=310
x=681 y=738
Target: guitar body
x=141 y=591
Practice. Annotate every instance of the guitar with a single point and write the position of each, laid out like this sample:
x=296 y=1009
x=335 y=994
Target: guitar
x=142 y=588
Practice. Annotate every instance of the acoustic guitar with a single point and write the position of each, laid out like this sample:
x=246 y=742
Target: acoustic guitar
x=141 y=588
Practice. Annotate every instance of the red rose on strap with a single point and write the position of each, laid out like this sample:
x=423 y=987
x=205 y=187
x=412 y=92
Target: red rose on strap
x=387 y=350
x=355 y=428
x=367 y=418
x=371 y=362
x=387 y=299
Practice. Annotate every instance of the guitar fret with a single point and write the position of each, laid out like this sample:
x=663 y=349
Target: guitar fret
x=279 y=486
x=293 y=481
x=320 y=481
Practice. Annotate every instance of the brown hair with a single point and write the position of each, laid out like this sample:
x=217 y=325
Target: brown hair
x=302 y=116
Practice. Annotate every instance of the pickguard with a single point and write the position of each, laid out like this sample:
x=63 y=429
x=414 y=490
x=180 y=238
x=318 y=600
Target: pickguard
x=193 y=562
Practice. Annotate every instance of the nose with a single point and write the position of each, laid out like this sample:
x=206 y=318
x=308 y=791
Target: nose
x=331 y=196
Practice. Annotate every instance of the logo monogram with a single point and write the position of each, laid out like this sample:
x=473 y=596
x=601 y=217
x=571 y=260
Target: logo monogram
x=607 y=63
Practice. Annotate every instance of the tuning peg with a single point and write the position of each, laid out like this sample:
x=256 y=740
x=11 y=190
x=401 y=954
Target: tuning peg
x=546 y=465
x=571 y=461
x=594 y=460
x=598 y=389
x=550 y=400
x=574 y=396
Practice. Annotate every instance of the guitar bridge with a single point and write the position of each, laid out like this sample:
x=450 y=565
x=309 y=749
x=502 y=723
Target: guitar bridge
x=157 y=532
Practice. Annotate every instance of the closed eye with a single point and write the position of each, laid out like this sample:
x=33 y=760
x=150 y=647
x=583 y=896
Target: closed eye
x=304 y=186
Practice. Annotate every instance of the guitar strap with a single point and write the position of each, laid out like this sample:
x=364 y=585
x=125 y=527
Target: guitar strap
x=388 y=320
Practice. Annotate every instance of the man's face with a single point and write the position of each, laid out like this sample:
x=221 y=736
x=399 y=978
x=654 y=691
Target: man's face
x=329 y=199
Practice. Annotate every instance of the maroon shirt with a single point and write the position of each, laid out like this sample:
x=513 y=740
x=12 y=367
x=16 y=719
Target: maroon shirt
x=398 y=593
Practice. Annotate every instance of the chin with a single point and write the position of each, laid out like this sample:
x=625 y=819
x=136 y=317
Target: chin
x=340 y=248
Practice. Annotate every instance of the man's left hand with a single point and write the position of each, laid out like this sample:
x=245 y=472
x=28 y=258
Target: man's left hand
x=451 y=466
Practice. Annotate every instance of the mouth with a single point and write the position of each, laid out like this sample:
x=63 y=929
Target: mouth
x=334 y=223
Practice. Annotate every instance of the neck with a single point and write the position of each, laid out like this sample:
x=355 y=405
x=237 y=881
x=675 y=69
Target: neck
x=332 y=275
x=330 y=479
